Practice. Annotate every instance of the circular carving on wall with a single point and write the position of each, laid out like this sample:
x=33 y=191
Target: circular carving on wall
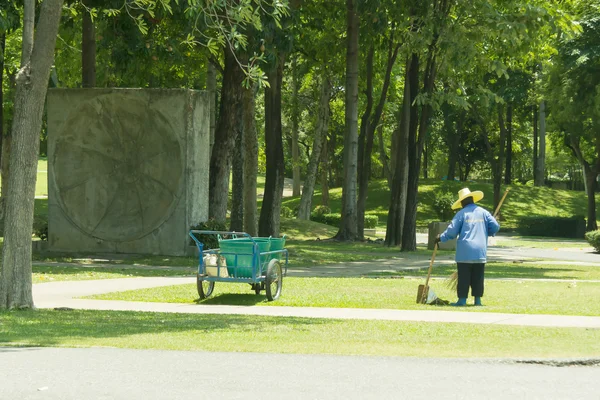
x=117 y=168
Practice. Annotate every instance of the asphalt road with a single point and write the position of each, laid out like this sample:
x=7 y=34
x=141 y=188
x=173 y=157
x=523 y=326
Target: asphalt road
x=107 y=373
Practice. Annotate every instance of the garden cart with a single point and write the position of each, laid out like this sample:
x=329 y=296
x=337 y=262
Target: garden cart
x=260 y=262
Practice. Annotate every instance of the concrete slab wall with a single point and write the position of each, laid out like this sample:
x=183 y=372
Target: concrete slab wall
x=127 y=169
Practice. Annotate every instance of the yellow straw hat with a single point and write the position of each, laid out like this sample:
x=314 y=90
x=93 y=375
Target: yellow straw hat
x=463 y=194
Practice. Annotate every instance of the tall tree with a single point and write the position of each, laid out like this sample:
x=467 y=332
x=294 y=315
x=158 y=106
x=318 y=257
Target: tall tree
x=399 y=187
x=369 y=122
x=319 y=141
x=348 y=224
x=295 y=127
x=250 y=162
x=574 y=91
x=268 y=224
x=88 y=47
x=225 y=135
x=32 y=84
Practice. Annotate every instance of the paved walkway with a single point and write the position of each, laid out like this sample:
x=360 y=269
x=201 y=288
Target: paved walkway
x=63 y=294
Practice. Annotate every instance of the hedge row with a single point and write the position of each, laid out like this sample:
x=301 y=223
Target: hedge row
x=593 y=238
x=334 y=219
x=568 y=227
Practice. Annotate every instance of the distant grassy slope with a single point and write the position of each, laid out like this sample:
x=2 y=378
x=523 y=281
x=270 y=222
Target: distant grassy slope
x=521 y=201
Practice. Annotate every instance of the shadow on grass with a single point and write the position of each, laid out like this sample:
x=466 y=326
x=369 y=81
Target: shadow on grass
x=52 y=328
x=234 y=299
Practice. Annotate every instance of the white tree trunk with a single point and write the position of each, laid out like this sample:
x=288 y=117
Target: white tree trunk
x=32 y=84
x=315 y=156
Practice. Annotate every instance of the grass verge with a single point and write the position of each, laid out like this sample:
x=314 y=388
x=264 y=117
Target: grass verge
x=47 y=273
x=526 y=297
x=289 y=335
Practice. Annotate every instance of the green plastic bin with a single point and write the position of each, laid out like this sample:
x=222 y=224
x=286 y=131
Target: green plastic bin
x=277 y=244
x=243 y=248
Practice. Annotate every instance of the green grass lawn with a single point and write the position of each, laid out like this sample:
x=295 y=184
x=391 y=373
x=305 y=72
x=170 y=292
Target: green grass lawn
x=542 y=243
x=289 y=335
x=520 y=271
x=527 y=297
x=46 y=273
x=521 y=201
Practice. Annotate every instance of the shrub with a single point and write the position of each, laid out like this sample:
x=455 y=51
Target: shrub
x=333 y=219
x=210 y=241
x=286 y=212
x=41 y=230
x=593 y=238
x=571 y=227
x=318 y=214
x=441 y=201
x=371 y=221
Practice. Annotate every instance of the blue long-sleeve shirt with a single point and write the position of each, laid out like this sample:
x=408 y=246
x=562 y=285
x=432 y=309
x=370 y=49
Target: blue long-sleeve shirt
x=472 y=225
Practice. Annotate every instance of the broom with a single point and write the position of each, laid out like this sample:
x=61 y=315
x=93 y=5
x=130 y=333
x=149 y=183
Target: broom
x=452 y=281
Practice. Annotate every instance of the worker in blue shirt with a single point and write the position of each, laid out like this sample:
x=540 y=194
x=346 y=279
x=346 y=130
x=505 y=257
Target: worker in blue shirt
x=472 y=225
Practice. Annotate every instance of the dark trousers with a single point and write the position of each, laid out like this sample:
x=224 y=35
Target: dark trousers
x=470 y=276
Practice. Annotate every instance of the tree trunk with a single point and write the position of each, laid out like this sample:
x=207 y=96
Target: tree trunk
x=325 y=173
x=295 y=123
x=590 y=175
x=32 y=84
x=365 y=147
x=227 y=128
x=236 y=222
x=540 y=176
x=534 y=121
x=363 y=175
x=319 y=140
x=414 y=157
x=454 y=141
x=2 y=47
x=383 y=157
x=347 y=229
x=509 y=126
x=399 y=187
x=88 y=50
x=250 y=164
x=268 y=224
x=211 y=88
x=499 y=163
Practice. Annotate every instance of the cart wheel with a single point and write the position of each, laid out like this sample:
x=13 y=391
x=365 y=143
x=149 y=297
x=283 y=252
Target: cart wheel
x=273 y=280
x=255 y=287
x=205 y=288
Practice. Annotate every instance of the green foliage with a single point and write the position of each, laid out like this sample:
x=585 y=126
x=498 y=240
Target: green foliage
x=287 y=212
x=210 y=241
x=572 y=227
x=593 y=239
x=441 y=200
x=320 y=210
x=371 y=221
x=40 y=229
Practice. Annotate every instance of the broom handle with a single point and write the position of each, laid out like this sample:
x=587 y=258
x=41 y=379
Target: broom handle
x=435 y=247
x=500 y=204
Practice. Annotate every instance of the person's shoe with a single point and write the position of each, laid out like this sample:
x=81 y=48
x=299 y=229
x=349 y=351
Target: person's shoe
x=478 y=301
x=460 y=303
